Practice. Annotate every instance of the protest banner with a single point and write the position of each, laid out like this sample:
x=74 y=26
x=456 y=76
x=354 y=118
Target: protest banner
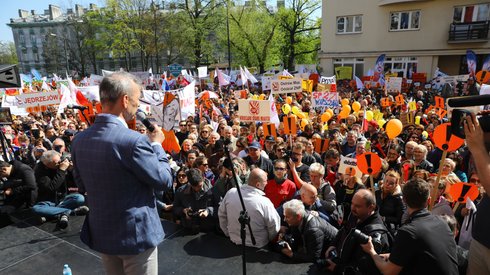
x=325 y=99
x=95 y=80
x=254 y=110
x=327 y=80
x=394 y=84
x=343 y=72
x=285 y=86
x=266 y=82
x=38 y=99
x=187 y=100
x=349 y=165
x=90 y=92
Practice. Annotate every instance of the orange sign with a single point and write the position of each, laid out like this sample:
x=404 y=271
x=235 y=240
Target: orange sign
x=369 y=163
x=385 y=102
x=290 y=125
x=269 y=129
x=439 y=102
x=399 y=100
x=483 y=77
x=444 y=140
x=462 y=190
x=321 y=145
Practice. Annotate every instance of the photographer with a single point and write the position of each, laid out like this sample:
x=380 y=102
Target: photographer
x=423 y=245
x=308 y=235
x=345 y=255
x=480 y=245
x=53 y=198
x=19 y=188
x=194 y=203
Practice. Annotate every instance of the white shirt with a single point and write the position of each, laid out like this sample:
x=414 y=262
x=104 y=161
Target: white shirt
x=264 y=219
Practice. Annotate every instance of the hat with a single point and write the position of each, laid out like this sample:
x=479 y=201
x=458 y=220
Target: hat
x=270 y=139
x=373 y=123
x=255 y=145
x=199 y=146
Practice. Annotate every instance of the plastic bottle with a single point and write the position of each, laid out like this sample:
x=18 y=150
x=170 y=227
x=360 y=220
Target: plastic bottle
x=66 y=270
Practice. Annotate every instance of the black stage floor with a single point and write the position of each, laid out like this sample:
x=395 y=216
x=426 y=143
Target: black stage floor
x=27 y=247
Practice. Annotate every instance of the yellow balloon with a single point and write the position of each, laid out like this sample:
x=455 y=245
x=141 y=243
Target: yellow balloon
x=425 y=134
x=304 y=122
x=289 y=100
x=326 y=117
x=417 y=120
x=381 y=122
x=255 y=97
x=345 y=101
x=330 y=111
x=286 y=108
x=346 y=109
x=301 y=115
x=295 y=110
x=325 y=127
x=262 y=97
x=356 y=106
x=369 y=115
x=393 y=128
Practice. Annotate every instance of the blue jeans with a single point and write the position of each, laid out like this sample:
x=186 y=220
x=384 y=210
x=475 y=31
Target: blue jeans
x=50 y=209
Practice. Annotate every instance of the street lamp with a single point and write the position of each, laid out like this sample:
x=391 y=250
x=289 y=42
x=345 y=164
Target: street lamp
x=66 y=52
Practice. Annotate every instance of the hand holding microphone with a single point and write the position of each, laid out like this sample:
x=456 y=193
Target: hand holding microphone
x=155 y=133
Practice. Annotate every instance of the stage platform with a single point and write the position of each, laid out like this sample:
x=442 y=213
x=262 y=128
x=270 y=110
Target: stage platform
x=28 y=247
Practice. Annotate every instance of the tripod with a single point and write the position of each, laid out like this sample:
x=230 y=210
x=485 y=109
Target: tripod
x=244 y=218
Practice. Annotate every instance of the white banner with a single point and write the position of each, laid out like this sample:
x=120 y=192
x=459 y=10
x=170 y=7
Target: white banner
x=90 y=92
x=325 y=99
x=38 y=99
x=95 y=79
x=202 y=72
x=285 y=86
x=394 y=84
x=254 y=110
x=349 y=165
x=327 y=80
x=187 y=98
x=266 y=83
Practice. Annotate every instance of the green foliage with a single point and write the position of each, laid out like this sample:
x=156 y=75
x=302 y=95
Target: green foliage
x=8 y=55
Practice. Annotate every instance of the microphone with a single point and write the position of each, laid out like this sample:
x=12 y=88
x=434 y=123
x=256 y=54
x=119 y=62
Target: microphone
x=140 y=115
x=81 y=108
x=466 y=101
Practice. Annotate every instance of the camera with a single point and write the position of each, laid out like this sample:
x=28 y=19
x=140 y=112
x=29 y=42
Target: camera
x=332 y=256
x=457 y=122
x=65 y=156
x=192 y=213
x=360 y=237
x=286 y=239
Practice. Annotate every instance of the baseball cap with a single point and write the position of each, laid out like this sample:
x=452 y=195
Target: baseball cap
x=255 y=145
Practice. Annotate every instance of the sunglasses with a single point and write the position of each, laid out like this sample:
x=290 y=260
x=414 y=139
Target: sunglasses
x=183 y=125
x=204 y=164
x=182 y=176
x=279 y=169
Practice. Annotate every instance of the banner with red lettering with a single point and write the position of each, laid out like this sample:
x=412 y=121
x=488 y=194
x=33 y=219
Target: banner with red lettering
x=254 y=110
x=325 y=99
x=38 y=99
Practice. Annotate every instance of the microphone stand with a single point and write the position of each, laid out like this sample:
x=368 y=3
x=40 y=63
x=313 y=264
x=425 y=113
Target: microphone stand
x=244 y=218
x=84 y=116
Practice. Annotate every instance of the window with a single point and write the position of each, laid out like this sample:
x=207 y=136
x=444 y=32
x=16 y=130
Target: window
x=404 y=66
x=22 y=39
x=35 y=52
x=33 y=39
x=472 y=13
x=404 y=20
x=349 y=24
x=357 y=65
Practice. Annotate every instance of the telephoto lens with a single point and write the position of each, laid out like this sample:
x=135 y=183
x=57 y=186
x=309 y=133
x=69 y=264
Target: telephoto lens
x=360 y=237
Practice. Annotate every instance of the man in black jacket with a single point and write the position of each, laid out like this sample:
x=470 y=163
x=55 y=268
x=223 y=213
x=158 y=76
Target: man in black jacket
x=20 y=186
x=364 y=218
x=311 y=234
x=53 y=199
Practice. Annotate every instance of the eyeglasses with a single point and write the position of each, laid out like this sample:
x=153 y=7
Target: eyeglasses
x=183 y=125
x=281 y=149
x=181 y=176
x=204 y=132
x=205 y=164
x=279 y=169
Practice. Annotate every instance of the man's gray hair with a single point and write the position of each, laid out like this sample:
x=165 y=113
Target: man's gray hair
x=47 y=157
x=295 y=207
x=317 y=168
x=116 y=85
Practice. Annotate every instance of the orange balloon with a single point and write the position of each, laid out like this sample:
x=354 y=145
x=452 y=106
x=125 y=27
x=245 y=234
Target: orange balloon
x=326 y=117
x=444 y=140
x=369 y=163
x=393 y=128
x=345 y=101
x=330 y=111
x=289 y=100
x=301 y=115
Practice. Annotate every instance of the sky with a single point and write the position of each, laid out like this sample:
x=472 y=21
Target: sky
x=10 y=9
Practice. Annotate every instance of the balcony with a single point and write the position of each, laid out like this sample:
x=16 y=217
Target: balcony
x=468 y=32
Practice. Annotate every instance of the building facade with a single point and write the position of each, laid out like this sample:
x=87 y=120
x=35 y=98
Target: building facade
x=416 y=35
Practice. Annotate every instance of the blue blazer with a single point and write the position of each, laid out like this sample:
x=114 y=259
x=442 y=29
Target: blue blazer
x=119 y=169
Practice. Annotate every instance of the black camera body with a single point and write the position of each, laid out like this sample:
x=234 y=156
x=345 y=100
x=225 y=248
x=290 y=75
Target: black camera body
x=457 y=122
x=286 y=239
x=360 y=237
x=193 y=214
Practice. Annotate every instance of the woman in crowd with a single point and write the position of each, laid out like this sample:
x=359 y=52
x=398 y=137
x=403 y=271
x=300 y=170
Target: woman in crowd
x=389 y=200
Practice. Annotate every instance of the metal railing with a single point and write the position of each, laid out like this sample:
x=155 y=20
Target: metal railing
x=475 y=31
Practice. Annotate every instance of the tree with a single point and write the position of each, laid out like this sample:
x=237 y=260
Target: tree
x=252 y=34
x=8 y=55
x=300 y=32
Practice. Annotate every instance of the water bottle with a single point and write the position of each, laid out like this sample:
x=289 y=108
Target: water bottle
x=66 y=270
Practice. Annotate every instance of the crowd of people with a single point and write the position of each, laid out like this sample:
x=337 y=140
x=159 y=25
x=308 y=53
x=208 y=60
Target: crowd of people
x=299 y=203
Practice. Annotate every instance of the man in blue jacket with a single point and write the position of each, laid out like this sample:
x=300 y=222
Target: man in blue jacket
x=119 y=169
